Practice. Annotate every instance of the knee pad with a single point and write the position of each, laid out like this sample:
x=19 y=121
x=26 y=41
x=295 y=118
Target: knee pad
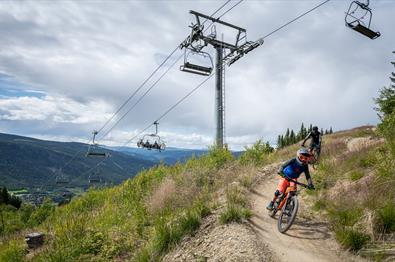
x=277 y=193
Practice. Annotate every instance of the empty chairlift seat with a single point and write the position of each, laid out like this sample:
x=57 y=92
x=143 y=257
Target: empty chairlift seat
x=94 y=150
x=358 y=18
x=203 y=64
x=196 y=69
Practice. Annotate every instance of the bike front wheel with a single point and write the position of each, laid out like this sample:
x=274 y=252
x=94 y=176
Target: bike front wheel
x=288 y=214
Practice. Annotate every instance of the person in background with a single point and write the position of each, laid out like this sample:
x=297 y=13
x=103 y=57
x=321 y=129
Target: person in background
x=316 y=139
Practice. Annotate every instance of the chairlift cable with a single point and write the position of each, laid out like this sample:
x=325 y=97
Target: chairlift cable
x=230 y=9
x=212 y=22
x=219 y=8
x=293 y=20
x=92 y=168
x=142 y=96
x=138 y=89
x=198 y=86
x=152 y=74
x=75 y=156
x=192 y=91
x=171 y=108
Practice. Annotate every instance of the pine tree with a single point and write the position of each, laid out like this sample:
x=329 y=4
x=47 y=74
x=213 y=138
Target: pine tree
x=4 y=197
x=279 y=141
x=310 y=128
x=286 y=138
x=292 y=137
x=330 y=131
x=386 y=99
x=301 y=134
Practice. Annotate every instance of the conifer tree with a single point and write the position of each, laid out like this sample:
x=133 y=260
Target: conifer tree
x=292 y=137
x=4 y=197
x=330 y=131
x=286 y=138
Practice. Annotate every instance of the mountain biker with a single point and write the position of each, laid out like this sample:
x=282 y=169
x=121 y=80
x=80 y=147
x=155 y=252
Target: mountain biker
x=293 y=168
x=315 y=142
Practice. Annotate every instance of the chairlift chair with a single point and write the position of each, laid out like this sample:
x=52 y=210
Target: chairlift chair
x=148 y=141
x=195 y=68
x=93 y=149
x=94 y=178
x=60 y=178
x=360 y=23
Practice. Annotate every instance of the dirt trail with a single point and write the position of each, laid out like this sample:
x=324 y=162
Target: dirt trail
x=305 y=241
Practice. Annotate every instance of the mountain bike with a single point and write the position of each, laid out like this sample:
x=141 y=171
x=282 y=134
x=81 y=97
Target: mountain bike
x=316 y=156
x=315 y=152
x=288 y=206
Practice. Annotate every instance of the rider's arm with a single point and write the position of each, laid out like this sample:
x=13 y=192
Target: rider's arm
x=307 y=137
x=307 y=174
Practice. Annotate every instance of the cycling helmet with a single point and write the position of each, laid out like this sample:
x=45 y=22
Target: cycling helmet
x=315 y=128
x=303 y=156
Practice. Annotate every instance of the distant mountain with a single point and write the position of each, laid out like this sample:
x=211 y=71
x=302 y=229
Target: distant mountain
x=168 y=156
x=28 y=162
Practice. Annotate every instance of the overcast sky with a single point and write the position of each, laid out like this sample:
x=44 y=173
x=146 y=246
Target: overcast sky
x=66 y=67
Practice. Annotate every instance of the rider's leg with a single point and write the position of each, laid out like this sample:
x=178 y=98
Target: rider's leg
x=282 y=185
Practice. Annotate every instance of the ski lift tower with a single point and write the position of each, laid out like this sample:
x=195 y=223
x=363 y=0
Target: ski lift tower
x=225 y=53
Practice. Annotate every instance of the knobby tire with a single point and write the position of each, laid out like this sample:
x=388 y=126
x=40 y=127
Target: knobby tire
x=289 y=220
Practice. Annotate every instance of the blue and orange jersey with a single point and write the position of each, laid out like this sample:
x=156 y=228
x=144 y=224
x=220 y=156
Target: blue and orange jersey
x=293 y=169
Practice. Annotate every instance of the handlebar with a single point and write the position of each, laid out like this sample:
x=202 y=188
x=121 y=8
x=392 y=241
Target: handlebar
x=292 y=180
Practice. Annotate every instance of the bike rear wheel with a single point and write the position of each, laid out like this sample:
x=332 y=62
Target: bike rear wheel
x=288 y=214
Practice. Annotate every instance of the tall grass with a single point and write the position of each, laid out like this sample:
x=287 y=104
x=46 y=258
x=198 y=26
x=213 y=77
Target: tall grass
x=139 y=220
x=367 y=175
x=236 y=205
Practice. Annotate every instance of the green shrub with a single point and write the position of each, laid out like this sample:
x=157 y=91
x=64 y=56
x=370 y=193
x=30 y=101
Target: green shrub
x=217 y=157
x=234 y=214
x=319 y=205
x=236 y=206
x=93 y=243
x=26 y=213
x=386 y=218
x=351 y=239
x=42 y=213
x=12 y=252
x=344 y=216
x=256 y=154
x=356 y=175
x=386 y=129
x=368 y=161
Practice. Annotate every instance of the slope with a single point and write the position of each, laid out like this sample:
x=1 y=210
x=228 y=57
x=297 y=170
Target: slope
x=212 y=209
x=28 y=162
x=315 y=234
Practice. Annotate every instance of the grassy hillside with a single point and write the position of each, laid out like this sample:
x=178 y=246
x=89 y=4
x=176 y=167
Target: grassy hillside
x=141 y=219
x=28 y=162
x=355 y=182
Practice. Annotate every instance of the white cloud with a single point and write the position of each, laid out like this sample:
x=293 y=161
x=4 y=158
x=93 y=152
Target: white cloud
x=88 y=58
x=54 y=110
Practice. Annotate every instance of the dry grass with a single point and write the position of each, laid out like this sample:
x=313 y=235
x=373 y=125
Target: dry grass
x=162 y=197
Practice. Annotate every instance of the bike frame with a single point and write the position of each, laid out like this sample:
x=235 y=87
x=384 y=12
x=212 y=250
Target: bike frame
x=289 y=191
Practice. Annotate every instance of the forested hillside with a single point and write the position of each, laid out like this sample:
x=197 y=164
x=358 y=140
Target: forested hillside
x=32 y=163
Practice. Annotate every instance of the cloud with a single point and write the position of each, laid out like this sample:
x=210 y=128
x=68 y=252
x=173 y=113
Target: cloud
x=53 y=110
x=88 y=58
